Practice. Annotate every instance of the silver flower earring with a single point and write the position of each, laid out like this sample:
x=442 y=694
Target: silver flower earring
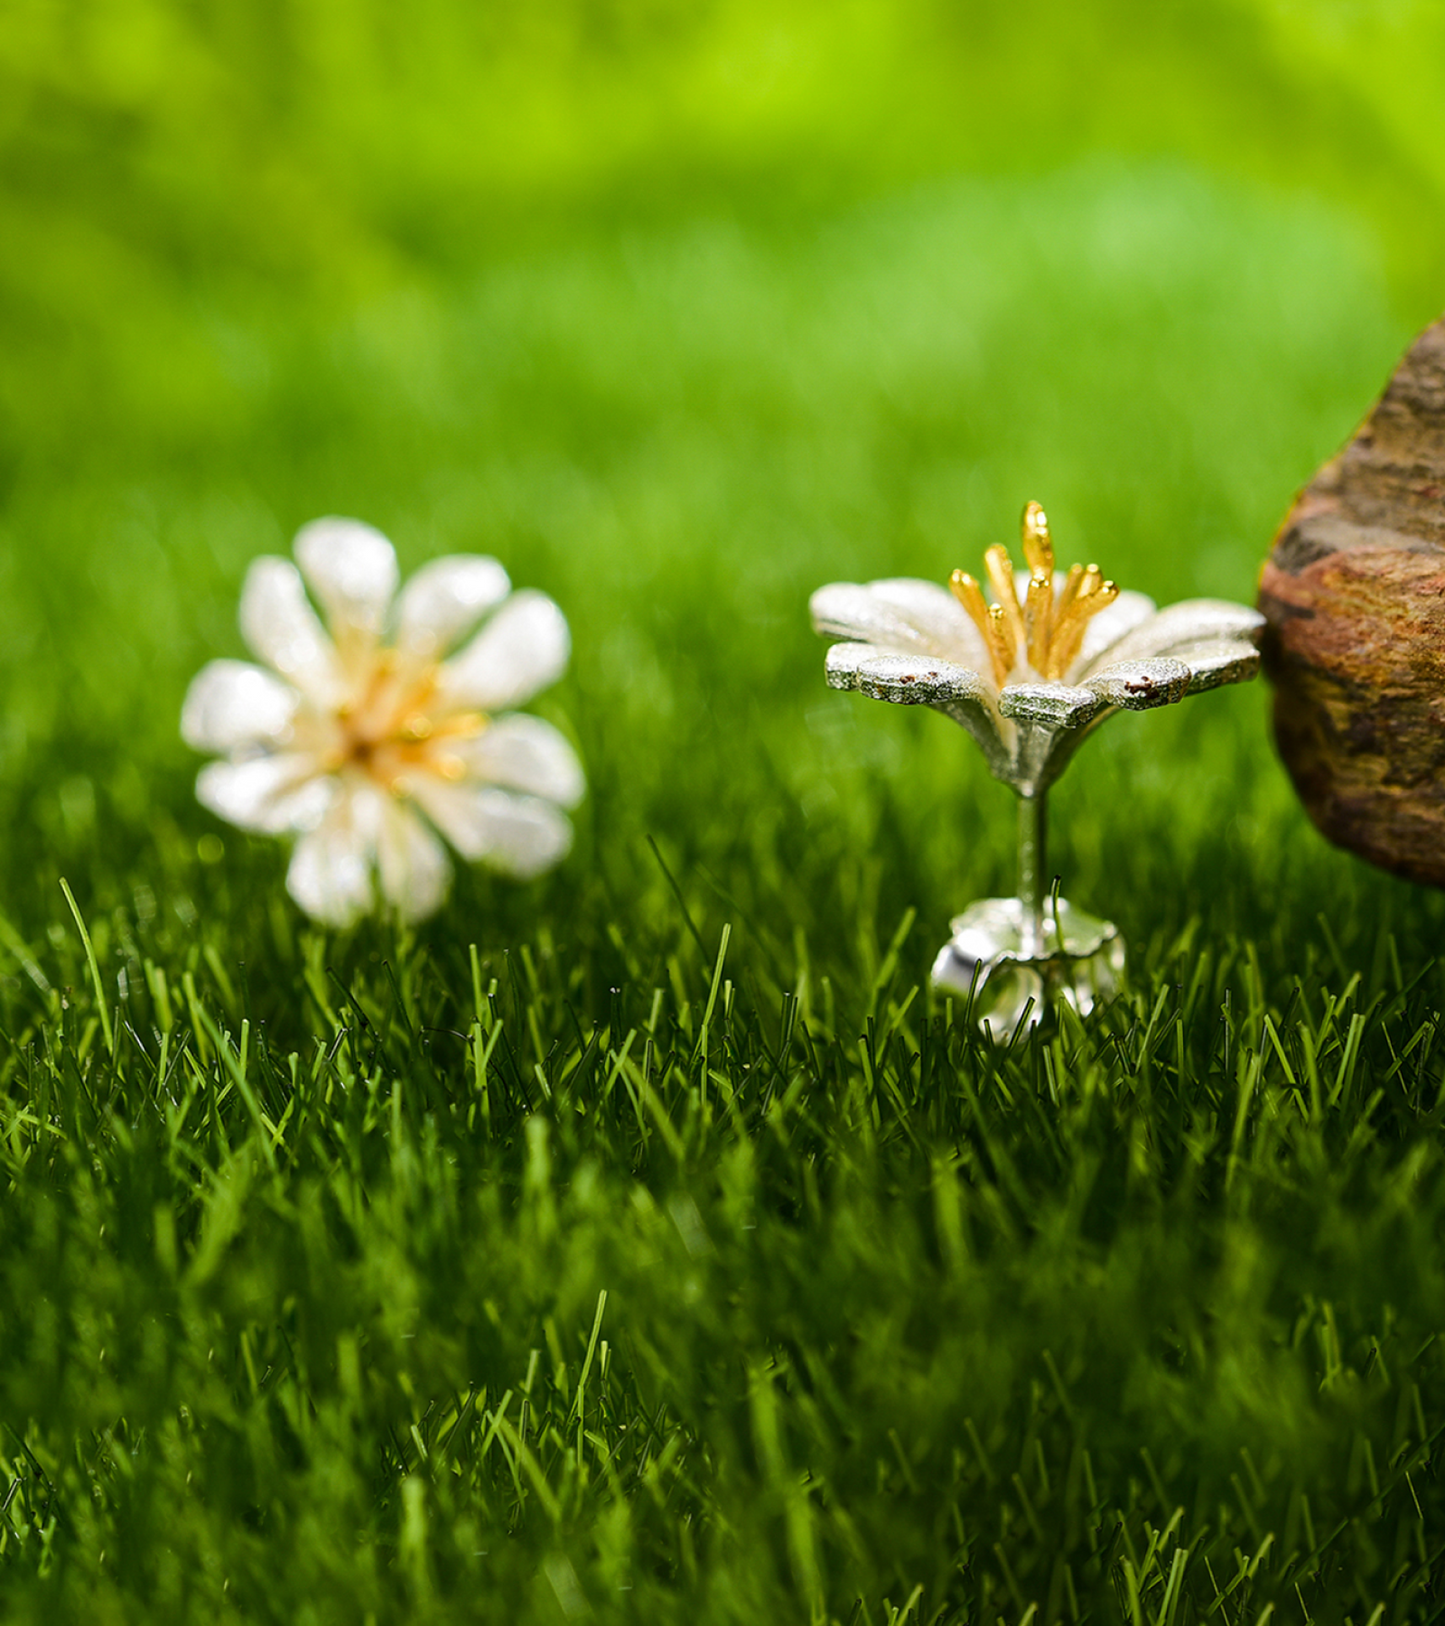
x=1029 y=674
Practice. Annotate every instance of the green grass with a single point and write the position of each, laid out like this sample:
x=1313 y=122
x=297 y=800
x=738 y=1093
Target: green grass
x=604 y=1250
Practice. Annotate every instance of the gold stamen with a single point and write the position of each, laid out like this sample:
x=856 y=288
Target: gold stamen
x=461 y=725
x=1068 y=592
x=1068 y=636
x=1005 y=650
x=417 y=728
x=1001 y=578
x=1044 y=624
x=1037 y=618
x=1038 y=545
x=1070 y=639
x=970 y=595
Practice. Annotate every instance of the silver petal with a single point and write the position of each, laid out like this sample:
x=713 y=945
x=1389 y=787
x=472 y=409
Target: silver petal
x=1141 y=685
x=524 y=753
x=1212 y=665
x=444 y=600
x=900 y=613
x=915 y=680
x=269 y=794
x=910 y=680
x=1191 y=621
x=277 y=621
x=411 y=863
x=521 y=650
x=351 y=568
x=519 y=835
x=231 y=705
x=1060 y=705
x=330 y=874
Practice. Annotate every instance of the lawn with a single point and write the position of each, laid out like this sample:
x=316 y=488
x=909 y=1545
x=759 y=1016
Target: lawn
x=648 y=1243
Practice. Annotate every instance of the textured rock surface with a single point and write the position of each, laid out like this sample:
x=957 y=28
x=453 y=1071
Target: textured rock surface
x=1354 y=594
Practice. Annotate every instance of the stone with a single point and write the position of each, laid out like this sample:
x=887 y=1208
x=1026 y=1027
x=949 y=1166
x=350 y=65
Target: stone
x=1354 y=596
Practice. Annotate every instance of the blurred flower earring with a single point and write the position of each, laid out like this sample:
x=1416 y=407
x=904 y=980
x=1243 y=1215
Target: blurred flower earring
x=1029 y=669
x=370 y=740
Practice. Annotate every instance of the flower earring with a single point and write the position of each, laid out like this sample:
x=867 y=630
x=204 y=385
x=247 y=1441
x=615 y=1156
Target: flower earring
x=1029 y=673
x=370 y=739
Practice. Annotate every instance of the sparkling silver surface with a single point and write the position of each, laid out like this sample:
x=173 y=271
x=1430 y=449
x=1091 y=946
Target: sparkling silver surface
x=994 y=956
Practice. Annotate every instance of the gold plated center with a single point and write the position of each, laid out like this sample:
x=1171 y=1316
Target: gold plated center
x=392 y=730
x=1045 y=630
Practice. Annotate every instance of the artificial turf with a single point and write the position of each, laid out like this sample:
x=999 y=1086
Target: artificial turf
x=648 y=1243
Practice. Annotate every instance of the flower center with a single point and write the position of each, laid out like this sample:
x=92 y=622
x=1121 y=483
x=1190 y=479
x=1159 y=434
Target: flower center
x=393 y=728
x=1044 y=631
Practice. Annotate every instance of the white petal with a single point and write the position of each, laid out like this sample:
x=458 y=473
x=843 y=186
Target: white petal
x=267 y=794
x=444 y=600
x=1192 y=621
x=330 y=873
x=1128 y=611
x=413 y=865
x=526 y=754
x=521 y=835
x=277 y=621
x=522 y=649
x=352 y=570
x=901 y=614
x=231 y=704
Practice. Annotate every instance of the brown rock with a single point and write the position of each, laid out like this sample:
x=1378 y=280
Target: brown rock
x=1354 y=594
